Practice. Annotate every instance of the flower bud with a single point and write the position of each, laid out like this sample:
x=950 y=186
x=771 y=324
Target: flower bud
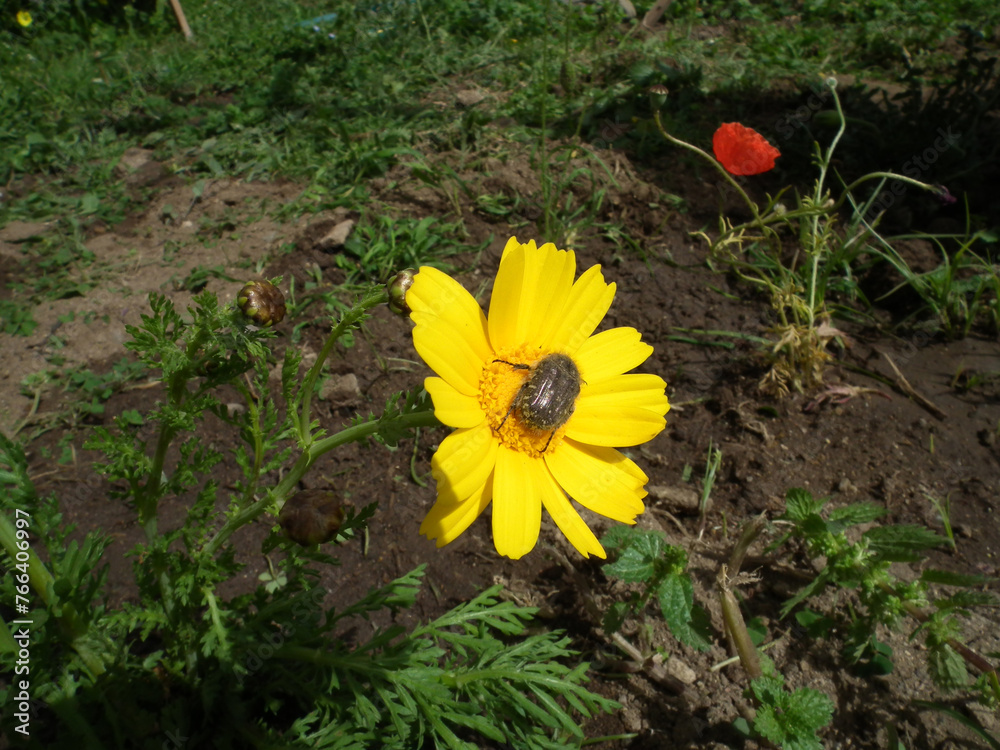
x=658 y=96
x=261 y=302
x=398 y=286
x=312 y=517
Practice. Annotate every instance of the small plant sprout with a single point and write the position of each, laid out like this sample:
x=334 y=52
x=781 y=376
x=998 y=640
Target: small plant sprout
x=943 y=507
x=712 y=464
x=883 y=600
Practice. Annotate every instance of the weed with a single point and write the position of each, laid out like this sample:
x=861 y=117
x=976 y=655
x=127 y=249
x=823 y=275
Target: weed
x=378 y=247
x=959 y=293
x=864 y=566
x=17 y=319
x=645 y=558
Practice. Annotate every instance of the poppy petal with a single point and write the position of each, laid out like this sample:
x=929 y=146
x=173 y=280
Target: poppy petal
x=742 y=150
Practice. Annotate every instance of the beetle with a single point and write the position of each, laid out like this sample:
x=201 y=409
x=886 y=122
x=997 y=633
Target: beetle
x=547 y=398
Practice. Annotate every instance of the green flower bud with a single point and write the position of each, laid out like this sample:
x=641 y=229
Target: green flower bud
x=658 y=96
x=398 y=286
x=262 y=302
x=312 y=517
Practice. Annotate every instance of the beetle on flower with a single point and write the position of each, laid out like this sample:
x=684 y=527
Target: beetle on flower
x=539 y=402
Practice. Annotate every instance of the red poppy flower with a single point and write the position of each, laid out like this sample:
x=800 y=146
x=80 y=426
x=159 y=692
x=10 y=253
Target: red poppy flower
x=742 y=150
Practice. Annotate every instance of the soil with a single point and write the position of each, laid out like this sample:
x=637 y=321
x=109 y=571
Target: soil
x=878 y=445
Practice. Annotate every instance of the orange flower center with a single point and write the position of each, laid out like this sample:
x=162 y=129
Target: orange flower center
x=499 y=386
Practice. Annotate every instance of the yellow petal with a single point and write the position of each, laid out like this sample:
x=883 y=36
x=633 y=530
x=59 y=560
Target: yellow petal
x=450 y=333
x=635 y=389
x=613 y=426
x=517 y=502
x=450 y=356
x=599 y=478
x=568 y=520
x=434 y=294
x=589 y=301
x=513 y=245
x=531 y=290
x=610 y=353
x=451 y=407
x=463 y=462
x=446 y=522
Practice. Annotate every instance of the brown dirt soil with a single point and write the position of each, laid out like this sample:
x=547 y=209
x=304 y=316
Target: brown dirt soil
x=880 y=445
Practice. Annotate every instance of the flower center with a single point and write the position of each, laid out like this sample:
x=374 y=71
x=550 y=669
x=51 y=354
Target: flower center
x=500 y=385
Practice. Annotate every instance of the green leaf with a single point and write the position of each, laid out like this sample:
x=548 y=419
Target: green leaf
x=638 y=552
x=89 y=204
x=676 y=597
x=965 y=599
x=809 y=710
x=947 y=668
x=817 y=625
x=857 y=513
x=790 y=720
x=757 y=629
x=901 y=543
x=811 y=588
x=614 y=618
x=948 y=578
x=800 y=504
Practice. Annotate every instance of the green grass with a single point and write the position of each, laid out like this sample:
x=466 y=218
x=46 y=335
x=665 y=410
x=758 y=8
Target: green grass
x=260 y=94
x=282 y=90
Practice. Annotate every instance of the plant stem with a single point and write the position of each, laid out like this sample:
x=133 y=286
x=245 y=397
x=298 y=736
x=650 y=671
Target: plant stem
x=736 y=627
x=285 y=487
x=39 y=576
x=885 y=176
x=147 y=498
x=718 y=167
x=373 y=298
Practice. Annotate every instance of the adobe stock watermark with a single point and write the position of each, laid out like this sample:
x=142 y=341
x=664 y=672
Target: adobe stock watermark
x=257 y=656
x=609 y=132
x=913 y=168
x=786 y=125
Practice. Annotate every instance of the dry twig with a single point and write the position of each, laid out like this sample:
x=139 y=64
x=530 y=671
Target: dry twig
x=904 y=386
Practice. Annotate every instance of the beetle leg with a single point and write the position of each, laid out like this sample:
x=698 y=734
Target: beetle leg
x=515 y=365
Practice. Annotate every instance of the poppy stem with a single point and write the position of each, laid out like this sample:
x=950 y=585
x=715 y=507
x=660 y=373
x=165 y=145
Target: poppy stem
x=711 y=160
x=816 y=244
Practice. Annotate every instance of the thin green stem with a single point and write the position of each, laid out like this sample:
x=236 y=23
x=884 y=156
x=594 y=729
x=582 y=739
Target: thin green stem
x=373 y=298
x=38 y=575
x=147 y=498
x=882 y=175
x=309 y=456
x=253 y=412
x=327 y=659
x=814 y=233
x=715 y=164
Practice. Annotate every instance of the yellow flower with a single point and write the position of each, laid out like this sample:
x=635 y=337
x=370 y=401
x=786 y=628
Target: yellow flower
x=24 y=18
x=522 y=453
